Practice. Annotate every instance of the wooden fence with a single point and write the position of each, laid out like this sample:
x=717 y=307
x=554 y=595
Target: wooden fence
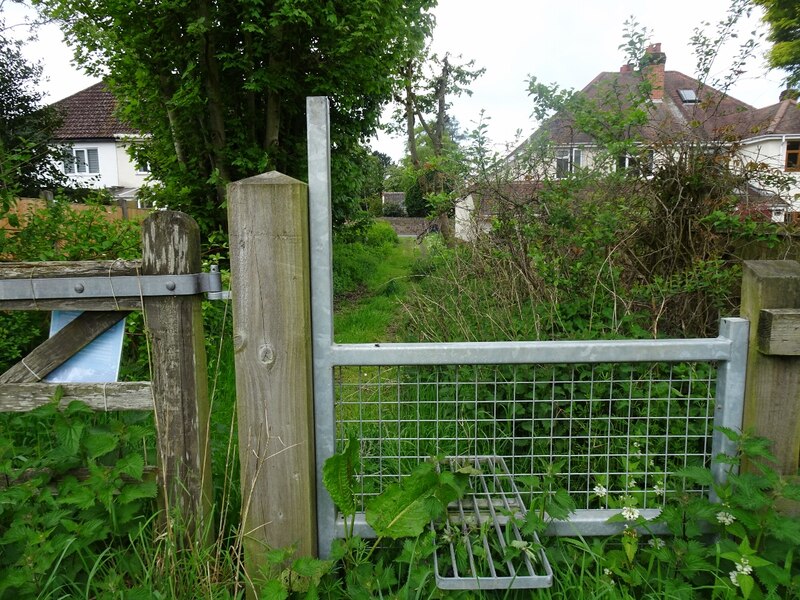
x=178 y=390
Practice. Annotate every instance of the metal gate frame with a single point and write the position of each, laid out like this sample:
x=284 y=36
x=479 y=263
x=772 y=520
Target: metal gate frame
x=729 y=350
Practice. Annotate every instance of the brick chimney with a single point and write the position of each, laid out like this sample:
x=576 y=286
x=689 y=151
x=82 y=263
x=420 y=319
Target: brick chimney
x=626 y=69
x=653 y=68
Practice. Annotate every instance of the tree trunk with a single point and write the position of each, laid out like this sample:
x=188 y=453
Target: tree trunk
x=441 y=91
x=212 y=83
x=409 y=101
x=166 y=95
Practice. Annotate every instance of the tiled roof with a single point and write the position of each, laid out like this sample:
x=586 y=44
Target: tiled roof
x=89 y=114
x=780 y=118
x=714 y=115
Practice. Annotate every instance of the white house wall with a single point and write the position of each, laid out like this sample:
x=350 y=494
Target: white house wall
x=468 y=225
x=107 y=161
x=772 y=151
x=128 y=175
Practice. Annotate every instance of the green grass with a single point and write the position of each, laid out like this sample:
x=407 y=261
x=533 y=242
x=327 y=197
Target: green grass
x=372 y=315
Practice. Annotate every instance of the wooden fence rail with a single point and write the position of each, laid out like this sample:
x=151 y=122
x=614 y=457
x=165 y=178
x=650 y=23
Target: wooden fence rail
x=178 y=391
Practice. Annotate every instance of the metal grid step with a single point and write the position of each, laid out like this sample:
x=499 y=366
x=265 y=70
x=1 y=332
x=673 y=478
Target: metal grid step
x=479 y=545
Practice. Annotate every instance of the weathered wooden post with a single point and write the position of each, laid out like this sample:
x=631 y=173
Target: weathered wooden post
x=268 y=226
x=771 y=301
x=171 y=246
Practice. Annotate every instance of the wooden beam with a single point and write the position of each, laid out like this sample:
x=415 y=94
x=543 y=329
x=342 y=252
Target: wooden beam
x=82 y=268
x=779 y=331
x=130 y=395
x=65 y=343
x=772 y=390
x=270 y=279
x=171 y=246
x=93 y=304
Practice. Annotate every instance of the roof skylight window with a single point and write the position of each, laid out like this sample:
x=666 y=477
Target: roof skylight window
x=688 y=96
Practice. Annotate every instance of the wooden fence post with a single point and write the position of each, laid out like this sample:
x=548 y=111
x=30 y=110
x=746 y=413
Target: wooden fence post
x=171 y=246
x=771 y=301
x=268 y=226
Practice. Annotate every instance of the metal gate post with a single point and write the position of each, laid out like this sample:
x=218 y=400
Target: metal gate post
x=319 y=214
x=729 y=405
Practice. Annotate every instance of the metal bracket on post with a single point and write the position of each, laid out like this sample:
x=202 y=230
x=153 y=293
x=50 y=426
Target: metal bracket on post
x=218 y=293
x=68 y=288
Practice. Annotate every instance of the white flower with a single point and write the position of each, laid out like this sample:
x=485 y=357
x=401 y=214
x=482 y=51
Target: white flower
x=658 y=489
x=725 y=518
x=600 y=491
x=743 y=566
x=656 y=543
x=637 y=451
x=607 y=572
x=630 y=513
x=632 y=482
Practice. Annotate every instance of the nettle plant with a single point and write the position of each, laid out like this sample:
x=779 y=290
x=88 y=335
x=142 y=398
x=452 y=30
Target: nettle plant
x=395 y=564
x=72 y=491
x=744 y=545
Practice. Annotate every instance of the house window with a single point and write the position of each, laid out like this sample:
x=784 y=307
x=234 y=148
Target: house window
x=793 y=156
x=83 y=161
x=567 y=160
x=688 y=96
x=143 y=168
x=640 y=164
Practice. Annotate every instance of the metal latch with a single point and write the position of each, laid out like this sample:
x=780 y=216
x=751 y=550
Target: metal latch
x=115 y=286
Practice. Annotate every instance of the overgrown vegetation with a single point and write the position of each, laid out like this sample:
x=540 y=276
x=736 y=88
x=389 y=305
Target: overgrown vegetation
x=644 y=241
x=741 y=547
x=370 y=279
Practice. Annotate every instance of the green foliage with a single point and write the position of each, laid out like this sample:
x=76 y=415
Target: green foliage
x=404 y=509
x=784 y=21
x=56 y=529
x=356 y=253
x=57 y=232
x=222 y=87
x=62 y=231
x=643 y=241
x=739 y=547
x=28 y=160
x=338 y=477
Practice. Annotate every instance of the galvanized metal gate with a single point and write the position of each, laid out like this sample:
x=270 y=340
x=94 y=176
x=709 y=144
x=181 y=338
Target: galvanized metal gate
x=616 y=417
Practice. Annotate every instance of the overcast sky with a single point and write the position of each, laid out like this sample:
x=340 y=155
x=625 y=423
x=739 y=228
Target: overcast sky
x=568 y=43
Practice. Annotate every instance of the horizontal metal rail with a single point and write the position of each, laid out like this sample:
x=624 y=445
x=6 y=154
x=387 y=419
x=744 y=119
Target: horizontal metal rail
x=110 y=287
x=573 y=352
x=583 y=522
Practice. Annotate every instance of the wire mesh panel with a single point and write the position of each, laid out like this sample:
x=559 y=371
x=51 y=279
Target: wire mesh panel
x=605 y=431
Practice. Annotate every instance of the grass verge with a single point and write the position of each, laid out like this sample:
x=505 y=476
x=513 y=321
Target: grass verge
x=372 y=314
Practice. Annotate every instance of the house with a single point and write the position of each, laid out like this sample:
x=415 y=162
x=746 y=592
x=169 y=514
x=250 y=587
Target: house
x=98 y=142
x=680 y=108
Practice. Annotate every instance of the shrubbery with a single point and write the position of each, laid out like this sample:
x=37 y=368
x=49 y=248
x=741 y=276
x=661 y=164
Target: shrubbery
x=356 y=252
